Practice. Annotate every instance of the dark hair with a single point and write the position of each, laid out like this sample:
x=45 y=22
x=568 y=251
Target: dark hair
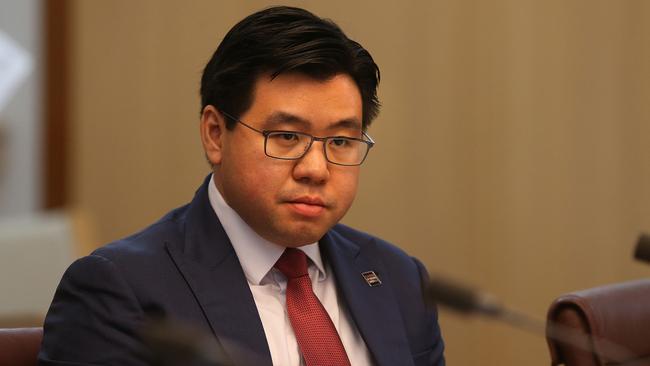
x=280 y=40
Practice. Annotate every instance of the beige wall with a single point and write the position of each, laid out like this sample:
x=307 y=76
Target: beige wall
x=512 y=145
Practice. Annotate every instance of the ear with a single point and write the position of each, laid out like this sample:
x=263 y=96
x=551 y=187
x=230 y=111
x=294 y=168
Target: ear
x=212 y=129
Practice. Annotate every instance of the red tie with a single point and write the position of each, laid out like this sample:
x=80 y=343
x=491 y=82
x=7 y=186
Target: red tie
x=317 y=338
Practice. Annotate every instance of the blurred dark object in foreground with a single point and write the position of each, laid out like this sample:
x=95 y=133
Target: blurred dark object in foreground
x=642 y=251
x=172 y=343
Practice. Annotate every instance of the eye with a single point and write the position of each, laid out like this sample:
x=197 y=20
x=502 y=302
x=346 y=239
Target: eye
x=288 y=136
x=340 y=142
x=285 y=138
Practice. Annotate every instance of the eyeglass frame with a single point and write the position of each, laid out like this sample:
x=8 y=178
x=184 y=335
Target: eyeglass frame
x=370 y=142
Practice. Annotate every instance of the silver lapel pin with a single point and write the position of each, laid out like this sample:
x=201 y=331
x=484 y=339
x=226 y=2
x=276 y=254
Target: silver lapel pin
x=371 y=278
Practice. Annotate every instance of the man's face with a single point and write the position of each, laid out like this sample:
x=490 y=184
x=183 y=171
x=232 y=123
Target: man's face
x=288 y=202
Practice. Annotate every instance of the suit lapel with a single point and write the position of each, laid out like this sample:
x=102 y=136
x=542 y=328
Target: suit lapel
x=374 y=309
x=211 y=268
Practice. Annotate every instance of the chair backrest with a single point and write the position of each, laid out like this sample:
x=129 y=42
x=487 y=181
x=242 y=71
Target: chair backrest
x=20 y=346
x=612 y=318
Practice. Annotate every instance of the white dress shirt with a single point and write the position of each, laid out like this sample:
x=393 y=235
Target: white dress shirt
x=257 y=257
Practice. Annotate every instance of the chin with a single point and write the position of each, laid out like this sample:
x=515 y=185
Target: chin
x=301 y=236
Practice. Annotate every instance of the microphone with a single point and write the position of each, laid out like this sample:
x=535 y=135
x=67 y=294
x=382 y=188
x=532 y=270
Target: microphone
x=642 y=251
x=173 y=343
x=467 y=300
x=461 y=298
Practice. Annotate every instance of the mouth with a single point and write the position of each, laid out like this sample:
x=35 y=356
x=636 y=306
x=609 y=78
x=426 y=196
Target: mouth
x=307 y=206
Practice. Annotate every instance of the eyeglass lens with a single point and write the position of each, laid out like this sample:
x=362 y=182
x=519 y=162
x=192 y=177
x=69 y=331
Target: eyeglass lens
x=293 y=145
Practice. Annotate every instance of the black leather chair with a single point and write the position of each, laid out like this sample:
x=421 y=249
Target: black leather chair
x=20 y=346
x=614 y=322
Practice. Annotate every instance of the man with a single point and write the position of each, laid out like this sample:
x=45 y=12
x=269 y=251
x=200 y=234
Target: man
x=258 y=258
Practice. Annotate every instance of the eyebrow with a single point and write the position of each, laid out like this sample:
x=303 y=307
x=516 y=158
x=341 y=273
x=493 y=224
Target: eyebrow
x=278 y=118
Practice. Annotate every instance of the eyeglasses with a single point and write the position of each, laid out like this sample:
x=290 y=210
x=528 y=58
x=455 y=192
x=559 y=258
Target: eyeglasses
x=292 y=145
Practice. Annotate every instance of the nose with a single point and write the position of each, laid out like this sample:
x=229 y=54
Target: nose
x=313 y=167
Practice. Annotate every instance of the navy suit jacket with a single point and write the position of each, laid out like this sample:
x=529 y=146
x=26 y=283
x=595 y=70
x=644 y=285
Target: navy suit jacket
x=184 y=267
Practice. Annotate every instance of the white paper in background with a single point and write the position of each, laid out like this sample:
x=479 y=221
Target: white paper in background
x=35 y=250
x=15 y=65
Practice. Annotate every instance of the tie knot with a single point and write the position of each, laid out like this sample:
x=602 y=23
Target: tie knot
x=292 y=263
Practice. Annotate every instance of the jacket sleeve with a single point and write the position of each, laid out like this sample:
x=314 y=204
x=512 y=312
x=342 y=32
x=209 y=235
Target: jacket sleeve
x=93 y=318
x=434 y=356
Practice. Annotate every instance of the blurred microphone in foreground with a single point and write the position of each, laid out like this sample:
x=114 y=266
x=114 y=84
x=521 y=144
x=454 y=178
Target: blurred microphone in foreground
x=172 y=343
x=642 y=251
x=467 y=300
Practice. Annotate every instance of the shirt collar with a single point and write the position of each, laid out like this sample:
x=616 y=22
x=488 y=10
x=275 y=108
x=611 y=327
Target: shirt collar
x=257 y=255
